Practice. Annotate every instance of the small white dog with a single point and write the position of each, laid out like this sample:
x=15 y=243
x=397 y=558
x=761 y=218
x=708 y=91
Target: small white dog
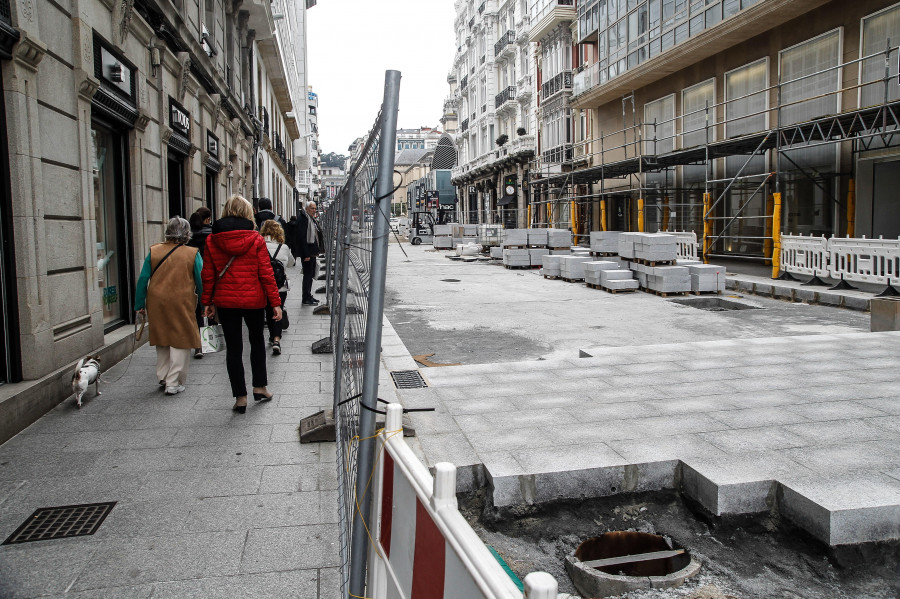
x=87 y=372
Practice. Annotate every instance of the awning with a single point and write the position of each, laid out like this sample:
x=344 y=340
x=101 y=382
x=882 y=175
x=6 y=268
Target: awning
x=506 y=200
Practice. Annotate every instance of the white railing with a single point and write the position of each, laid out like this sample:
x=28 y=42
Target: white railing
x=419 y=538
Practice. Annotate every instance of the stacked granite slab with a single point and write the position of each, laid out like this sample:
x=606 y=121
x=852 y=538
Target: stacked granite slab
x=592 y=270
x=668 y=279
x=561 y=252
x=497 y=253
x=655 y=247
x=626 y=245
x=550 y=265
x=572 y=267
x=516 y=257
x=578 y=250
x=514 y=237
x=443 y=237
x=537 y=237
x=559 y=238
x=537 y=255
x=706 y=278
x=605 y=242
x=464 y=234
x=618 y=280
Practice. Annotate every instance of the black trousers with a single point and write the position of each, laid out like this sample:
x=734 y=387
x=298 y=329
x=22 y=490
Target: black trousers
x=231 y=319
x=309 y=273
x=275 y=326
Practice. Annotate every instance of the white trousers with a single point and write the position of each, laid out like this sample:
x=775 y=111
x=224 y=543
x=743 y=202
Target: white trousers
x=172 y=364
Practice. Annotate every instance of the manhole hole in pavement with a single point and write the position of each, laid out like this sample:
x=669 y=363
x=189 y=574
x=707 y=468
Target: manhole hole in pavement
x=450 y=281
x=621 y=561
x=714 y=304
x=61 y=522
x=408 y=379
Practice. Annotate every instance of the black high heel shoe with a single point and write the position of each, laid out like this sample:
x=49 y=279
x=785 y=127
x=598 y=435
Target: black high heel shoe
x=240 y=409
x=261 y=397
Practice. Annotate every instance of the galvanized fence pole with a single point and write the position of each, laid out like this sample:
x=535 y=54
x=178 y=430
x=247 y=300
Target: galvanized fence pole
x=384 y=188
x=339 y=317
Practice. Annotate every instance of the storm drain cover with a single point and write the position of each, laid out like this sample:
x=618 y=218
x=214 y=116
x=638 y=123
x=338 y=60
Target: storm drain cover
x=408 y=379
x=61 y=522
x=450 y=281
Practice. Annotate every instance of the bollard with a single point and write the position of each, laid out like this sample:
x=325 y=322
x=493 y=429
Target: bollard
x=540 y=585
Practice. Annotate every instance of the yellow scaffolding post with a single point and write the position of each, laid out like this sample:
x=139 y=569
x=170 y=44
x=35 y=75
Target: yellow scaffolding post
x=767 y=243
x=549 y=214
x=706 y=227
x=573 y=217
x=603 y=215
x=851 y=209
x=776 y=235
x=640 y=215
x=666 y=214
x=529 y=216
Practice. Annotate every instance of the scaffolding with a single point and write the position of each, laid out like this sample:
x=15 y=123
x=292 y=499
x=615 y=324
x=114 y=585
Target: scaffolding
x=634 y=178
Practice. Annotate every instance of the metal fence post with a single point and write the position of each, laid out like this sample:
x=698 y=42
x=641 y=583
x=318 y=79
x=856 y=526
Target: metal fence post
x=374 y=318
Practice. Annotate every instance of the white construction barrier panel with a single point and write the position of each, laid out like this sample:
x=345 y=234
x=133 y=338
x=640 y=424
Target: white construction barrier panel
x=864 y=260
x=804 y=255
x=421 y=545
x=687 y=244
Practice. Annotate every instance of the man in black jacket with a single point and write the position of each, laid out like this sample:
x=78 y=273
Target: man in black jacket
x=265 y=213
x=309 y=245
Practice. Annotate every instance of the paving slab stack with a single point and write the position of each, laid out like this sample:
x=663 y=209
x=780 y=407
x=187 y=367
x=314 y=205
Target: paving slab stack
x=463 y=234
x=668 y=279
x=497 y=253
x=655 y=247
x=618 y=280
x=443 y=237
x=550 y=265
x=537 y=255
x=592 y=270
x=537 y=237
x=706 y=278
x=559 y=238
x=516 y=257
x=605 y=242
x=515 y=237
x=572 y=267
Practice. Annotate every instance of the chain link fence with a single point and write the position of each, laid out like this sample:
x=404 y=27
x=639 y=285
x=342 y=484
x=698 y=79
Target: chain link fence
x=357 y=227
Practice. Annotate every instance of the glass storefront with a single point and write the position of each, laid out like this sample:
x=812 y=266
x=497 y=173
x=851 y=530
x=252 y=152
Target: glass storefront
x=9 y=367
x=109 y=211
x=176 y=185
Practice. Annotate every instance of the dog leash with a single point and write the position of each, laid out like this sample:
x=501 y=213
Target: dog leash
x=138 y=333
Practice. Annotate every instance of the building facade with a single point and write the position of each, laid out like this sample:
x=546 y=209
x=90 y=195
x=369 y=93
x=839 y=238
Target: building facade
x=492 y=82
x=117 y=116
x=693 y=116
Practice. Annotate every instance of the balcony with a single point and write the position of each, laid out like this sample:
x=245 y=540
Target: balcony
x=561 y=83
x=464 y=83
x=586 y=79
x=464 y=126
x=547 y=14
x=524 y=89
x=507 y=95
x=505 y=40
x=264 y=118
x=557 y=155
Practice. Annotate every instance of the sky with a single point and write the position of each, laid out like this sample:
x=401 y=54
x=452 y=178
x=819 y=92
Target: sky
x=353 y=42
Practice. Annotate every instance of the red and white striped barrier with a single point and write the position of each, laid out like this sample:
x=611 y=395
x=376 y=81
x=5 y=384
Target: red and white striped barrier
x=422 y=547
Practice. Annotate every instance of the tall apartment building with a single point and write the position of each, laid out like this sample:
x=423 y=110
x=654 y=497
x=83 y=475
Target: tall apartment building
x=491 y=85
x=116 y=116
x=687 y=114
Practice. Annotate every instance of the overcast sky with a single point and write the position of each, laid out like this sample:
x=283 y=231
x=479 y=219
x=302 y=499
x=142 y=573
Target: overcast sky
x=353 y=42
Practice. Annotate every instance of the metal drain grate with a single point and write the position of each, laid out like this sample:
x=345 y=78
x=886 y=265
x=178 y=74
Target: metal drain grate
x=61 y=522
x=408 y=379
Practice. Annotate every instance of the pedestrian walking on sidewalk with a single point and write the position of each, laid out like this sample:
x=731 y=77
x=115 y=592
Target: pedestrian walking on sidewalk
x=201 y=227
x=237 y=283
x=278 y=250
x=309 y=246
x=167 y=292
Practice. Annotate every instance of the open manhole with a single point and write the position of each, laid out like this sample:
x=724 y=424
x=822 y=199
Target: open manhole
x=621 y=561
x=61 y=522
x=714 y=304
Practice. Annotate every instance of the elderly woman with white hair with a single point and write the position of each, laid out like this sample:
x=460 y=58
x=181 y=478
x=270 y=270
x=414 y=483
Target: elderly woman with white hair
x=167 y=293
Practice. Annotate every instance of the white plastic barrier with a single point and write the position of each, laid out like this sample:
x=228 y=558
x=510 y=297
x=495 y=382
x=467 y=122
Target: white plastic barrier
x=421 y=545
x=804 y=255
x=865 y=260
x=687 y=244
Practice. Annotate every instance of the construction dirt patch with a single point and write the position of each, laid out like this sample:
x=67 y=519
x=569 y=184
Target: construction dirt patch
x=753 y=557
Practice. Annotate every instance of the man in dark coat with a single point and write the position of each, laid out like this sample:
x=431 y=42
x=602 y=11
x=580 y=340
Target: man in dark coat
x=292 y=236
x=309 y=245
x=265 y=213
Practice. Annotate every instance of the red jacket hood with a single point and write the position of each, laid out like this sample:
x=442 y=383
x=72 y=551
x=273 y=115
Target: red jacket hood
x=234 y=243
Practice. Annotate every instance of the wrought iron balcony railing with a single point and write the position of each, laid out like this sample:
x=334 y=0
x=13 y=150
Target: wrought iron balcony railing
x=506 y=39
x=507 y=95
x=561 y=82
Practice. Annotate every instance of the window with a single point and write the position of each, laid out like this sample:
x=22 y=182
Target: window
x=744 y=109
x=694 y=103
x=659 y=125
x=876 y=31
x=808 y=70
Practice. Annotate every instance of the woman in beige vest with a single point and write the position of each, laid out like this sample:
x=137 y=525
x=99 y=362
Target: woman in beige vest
x=167 y=292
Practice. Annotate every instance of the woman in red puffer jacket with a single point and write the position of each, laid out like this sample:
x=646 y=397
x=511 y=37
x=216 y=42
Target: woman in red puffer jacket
x=237 y=284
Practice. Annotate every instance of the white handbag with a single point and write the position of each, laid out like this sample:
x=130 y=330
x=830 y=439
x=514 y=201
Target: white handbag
x=212 y=338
